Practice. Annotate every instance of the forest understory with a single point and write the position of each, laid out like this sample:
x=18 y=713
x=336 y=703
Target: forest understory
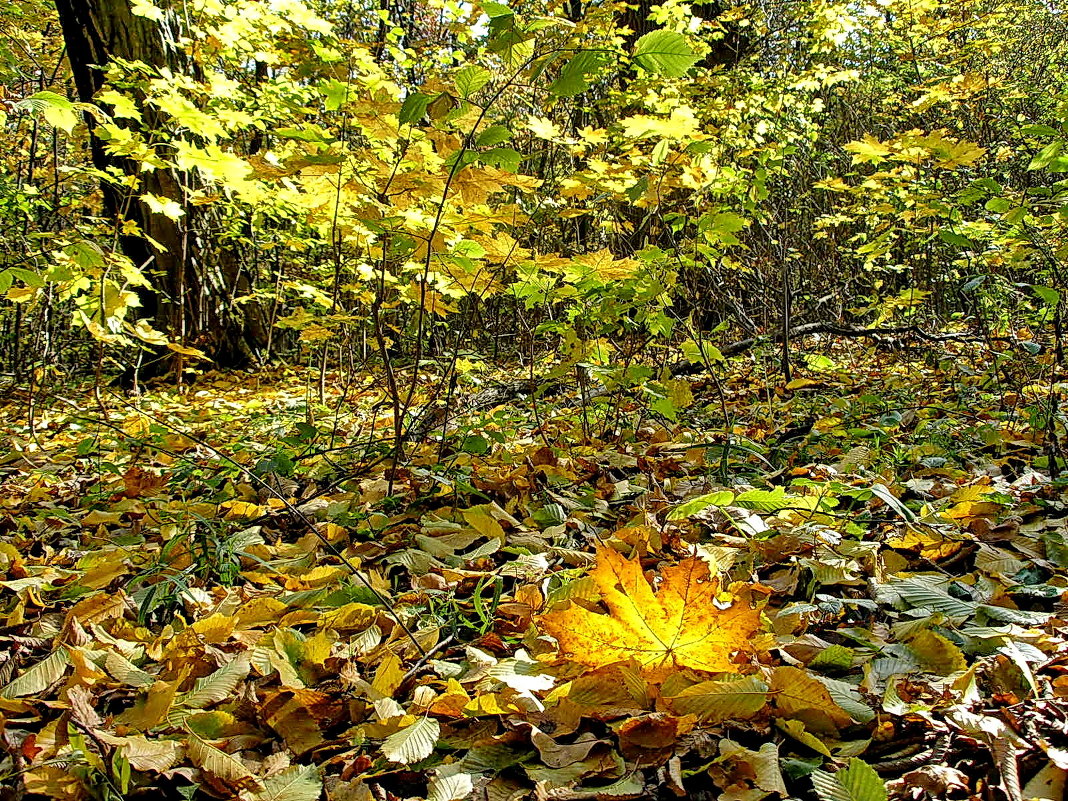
x=564 y=400
x=850 y=586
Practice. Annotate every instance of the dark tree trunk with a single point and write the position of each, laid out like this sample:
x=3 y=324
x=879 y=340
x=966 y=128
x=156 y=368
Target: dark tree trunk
x=725 y=52
x=95 y=31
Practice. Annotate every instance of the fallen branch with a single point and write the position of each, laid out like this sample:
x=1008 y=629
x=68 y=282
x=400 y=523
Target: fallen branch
x=871 y=333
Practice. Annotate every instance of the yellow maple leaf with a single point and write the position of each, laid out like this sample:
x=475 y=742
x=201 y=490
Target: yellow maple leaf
x=869 y=149
x=675 y=626
x=544 y=128
x=606 y=266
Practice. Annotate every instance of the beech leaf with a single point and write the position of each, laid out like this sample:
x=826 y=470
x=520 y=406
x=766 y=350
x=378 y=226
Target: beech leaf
x=223 y=766
x=413 y=743
x=39 y=676
x=858 y=781
x=665 y=53
x=716 y=701
x=215 y=687
x=296 y=783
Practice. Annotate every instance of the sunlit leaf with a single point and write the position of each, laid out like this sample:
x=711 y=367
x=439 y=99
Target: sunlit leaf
x=664 y=52
x=413 y=743
x=296 y=783
x=680 y=624
x=858 y=781
x=215 y=687
x=55 y=108
x=39 y=676
x=727 y=699
x=223 y=766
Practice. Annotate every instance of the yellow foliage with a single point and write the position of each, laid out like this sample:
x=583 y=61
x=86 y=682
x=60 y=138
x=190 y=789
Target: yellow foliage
x=679 y=624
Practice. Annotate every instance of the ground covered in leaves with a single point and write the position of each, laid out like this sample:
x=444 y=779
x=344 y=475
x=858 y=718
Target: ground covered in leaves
x=851 y=587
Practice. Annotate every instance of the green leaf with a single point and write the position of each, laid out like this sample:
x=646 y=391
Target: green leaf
x=763 y=500
x=493 y=135
x=495 y=10
x=1048 y=295
x=305 y=133
x=476 y=444
x=506 y=158
x=1056 y=548
x=819 y=363
x=1046 y=155
x=28 y=277
x=699 y=504
x=575 y=76
x=56 y=109
x=665 y=53
x=692 y=352
x=861 y=781
x=834 y=657
x=414 y=108
x=727 y=222
x=638 y=189
x=470 y=79
x=1038 y=130
x=858 y=781
x=412 y=744
x=335 y=93
x=665 y=407
x=951 y=238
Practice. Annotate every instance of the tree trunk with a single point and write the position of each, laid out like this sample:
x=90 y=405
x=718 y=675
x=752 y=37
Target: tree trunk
x=95 y=31
x=725 y=52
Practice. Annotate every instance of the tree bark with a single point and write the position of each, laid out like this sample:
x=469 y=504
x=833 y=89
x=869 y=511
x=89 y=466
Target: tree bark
x=183 y=305
x=726 y=51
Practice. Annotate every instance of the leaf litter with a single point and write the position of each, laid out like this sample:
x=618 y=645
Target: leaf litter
x=870 y=605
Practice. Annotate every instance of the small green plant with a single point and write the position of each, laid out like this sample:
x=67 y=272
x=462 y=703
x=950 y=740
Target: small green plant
x=205 y=554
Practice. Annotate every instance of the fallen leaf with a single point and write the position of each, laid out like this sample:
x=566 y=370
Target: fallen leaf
x=716 y=701
x=412 y=744
x=680 y=624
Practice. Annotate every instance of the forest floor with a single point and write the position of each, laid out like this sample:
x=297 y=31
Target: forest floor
x=853 y=589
